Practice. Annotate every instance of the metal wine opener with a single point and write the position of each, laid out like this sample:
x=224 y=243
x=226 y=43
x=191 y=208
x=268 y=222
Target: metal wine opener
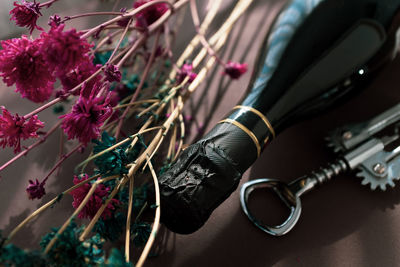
x=362 y=147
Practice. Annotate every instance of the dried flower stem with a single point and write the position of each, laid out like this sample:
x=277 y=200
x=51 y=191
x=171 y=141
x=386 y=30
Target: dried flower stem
x=155 y=104
x=141 y=211
x=142 y=79
x=117 y=145
x=172 y=143
x=60 y=161
x=196 y=40
x=182 y=137
x=90 y=14
x=29 y=148
x=223 y=31
x=76 y=212
x=156 y=223
x=56 y=100
x=47 y=4
x=96 y=217
x=146 y=124
x=128 y=220
x=120 y=40
x=137 y=103
x=61 y=147
x=128 y=15
x=106 y=39
x=162 y=133
x=133 y=169
x=203 y=40
x=47 y=205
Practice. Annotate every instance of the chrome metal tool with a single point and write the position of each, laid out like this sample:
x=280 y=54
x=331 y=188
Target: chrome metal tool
x=362 y=147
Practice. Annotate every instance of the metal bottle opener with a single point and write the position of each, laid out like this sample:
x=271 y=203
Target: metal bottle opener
x=361 y=147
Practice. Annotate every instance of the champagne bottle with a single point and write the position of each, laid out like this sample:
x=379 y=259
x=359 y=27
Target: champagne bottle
x=317 y=53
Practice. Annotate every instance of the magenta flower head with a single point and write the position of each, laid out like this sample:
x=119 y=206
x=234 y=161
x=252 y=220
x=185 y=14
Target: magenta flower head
x=112 y=73
x=149 y=15
x=186 y=70
x=22 y=64
x=15 y=128
x=235 y=70
x=96 y=200
x=64 y=50
x=35 y=189
x=87 y=116
x=26 y=14
x=84 y=70
x=54 y=21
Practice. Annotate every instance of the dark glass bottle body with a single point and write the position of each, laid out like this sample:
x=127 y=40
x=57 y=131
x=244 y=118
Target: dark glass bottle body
x=317 y=53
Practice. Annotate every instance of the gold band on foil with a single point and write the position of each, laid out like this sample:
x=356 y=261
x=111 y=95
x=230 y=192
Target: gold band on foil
x=247 y=131
x=259 y=114
x=266 y=140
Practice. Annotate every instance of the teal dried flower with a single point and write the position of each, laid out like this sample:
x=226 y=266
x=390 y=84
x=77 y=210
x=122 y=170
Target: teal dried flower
x=11 y=255
x=101 y=58
x=57 y=109
x=167 y=63
x=116 y=259
x=162 y=91
x=112 y=162
x=133 y=82
x=111 y=228
x=69 y=251
x=94 y=249
x=140 y=233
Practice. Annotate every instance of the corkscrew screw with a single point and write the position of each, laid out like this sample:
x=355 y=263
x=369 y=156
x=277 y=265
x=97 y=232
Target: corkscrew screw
x=362 y=148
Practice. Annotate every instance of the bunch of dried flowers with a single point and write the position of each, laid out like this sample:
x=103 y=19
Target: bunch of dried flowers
x=111 y=76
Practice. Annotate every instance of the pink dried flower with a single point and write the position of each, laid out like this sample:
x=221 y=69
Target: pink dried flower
x=186 y=70
x=112 y=73
x=235 y=69
x=64 y=50
x=87 y=116
x=22 y=63
x=149 y=15
x=54 y=21
x=39 y=95
x=123 y=22
x=114 y=101
x=79 y=74
x=26 y=14
x=13 y=128
x=35 y=189
x=96 y=200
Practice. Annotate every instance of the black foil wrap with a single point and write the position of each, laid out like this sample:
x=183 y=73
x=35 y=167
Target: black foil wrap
x=203 y=177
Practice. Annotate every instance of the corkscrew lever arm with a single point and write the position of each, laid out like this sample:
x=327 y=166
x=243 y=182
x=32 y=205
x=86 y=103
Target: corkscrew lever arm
x=367 y=154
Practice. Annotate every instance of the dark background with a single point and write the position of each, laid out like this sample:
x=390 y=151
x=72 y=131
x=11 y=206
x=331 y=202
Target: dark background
x=342 y=224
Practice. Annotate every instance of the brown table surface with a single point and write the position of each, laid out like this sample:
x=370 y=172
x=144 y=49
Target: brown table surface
x=342 y=224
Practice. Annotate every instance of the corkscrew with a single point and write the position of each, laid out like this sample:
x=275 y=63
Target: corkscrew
x=361 y=148
x=317 y=54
